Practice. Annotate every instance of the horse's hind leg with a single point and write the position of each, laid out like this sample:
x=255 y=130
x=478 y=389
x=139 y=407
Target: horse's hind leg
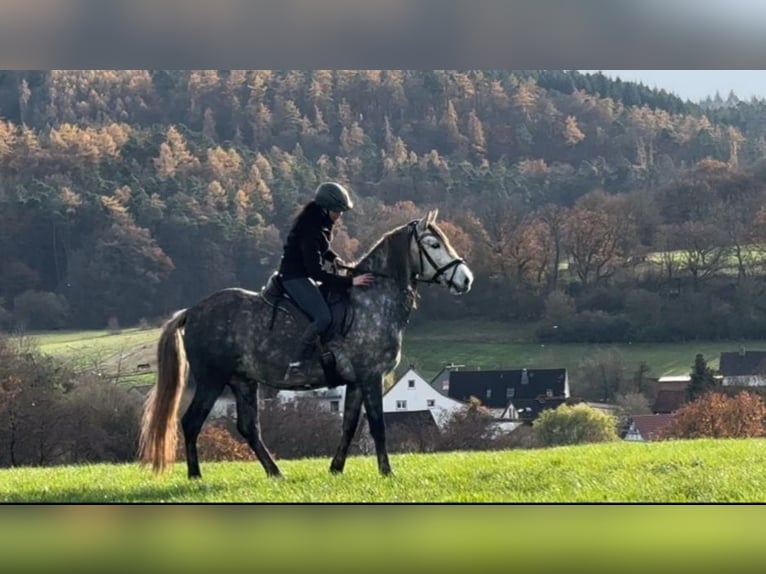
x=246 y=393
x=209 y=387
x=351 y=410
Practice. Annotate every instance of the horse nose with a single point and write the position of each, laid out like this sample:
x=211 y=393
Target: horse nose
x=467 y=281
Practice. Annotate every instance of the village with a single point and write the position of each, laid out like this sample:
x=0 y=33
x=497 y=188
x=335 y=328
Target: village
x=515 y=398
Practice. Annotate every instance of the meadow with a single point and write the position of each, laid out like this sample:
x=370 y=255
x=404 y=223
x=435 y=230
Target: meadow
x=704 y=470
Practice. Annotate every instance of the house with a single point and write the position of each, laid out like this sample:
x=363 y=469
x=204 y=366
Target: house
x=673 y=383
x=647 y=427
x=513 y=394
x=409 y=393
x=412 y=393
x=668 y=401
x=331 y=399
x=743 y=368
x=671 y=393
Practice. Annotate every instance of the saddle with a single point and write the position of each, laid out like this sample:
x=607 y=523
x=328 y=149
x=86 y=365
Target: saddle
x=277 y=297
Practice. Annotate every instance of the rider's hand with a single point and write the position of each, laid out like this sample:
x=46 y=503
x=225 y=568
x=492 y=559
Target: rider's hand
x=363 y=280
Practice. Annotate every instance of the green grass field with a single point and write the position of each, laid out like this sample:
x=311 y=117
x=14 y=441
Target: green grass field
x=100 y=351
x=475 y=344
x=673 y=471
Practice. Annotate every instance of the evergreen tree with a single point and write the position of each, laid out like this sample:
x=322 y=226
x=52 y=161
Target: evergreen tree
x=702 y=380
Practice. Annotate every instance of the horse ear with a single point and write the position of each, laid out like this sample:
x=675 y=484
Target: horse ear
x=428 y=219
x=423 y=223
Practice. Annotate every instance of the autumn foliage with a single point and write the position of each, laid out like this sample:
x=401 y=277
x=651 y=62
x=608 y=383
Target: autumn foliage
x=715 y=415
x=216 y=442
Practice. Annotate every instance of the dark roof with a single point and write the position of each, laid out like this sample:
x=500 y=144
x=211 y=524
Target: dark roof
x=668 y=401
x=493 y=388
x=650 y=425
x=737 y=364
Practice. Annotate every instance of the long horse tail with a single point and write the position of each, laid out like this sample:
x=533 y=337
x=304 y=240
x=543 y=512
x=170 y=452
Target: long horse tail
x=159 y=422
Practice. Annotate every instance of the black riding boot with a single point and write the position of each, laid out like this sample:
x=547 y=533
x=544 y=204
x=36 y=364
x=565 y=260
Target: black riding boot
x=298 y=370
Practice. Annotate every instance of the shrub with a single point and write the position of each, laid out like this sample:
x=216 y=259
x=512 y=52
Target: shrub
x=299 y=428
x=113 y=326
x=469 y=428
x=32 y=421
x=40 y=310
x=218 y=442
x=102 y=422
x=718 y=416
x=576 y=424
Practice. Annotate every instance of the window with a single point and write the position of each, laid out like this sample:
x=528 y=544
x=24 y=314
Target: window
x=402 y=405
x=430 y=403
x=489 y=393
x=411 y=383
x=334 y=406
x=509 y=392
x=549 y=392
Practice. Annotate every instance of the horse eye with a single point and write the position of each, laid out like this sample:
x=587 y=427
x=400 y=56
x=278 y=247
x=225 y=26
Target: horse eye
x=435 y=245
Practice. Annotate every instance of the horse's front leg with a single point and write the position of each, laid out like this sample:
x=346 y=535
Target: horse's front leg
x=372 y=393
x=351 y=410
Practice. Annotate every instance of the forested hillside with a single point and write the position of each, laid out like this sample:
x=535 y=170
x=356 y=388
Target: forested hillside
x=601 y=208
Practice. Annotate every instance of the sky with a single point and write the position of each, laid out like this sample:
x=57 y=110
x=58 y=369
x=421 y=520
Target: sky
x=696 y=85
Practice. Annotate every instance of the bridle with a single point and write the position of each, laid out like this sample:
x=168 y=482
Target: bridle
x=423 y=253
x=423 y=256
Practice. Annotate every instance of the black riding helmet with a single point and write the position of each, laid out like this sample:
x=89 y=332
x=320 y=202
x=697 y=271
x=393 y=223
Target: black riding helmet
x=333 y=196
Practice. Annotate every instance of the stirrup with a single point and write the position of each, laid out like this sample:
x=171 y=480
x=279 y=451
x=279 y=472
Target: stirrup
x=296 y=374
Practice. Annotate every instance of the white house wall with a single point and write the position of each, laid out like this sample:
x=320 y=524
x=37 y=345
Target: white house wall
x=744 y=381
x=412 y=393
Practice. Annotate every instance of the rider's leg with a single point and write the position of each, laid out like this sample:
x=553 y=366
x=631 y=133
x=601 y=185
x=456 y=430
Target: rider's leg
x=307 y=295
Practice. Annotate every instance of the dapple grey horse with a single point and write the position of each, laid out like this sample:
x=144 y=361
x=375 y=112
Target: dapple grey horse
x=237 y=338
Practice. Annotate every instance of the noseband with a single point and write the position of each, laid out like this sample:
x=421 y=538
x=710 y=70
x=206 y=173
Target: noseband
x=438 y=271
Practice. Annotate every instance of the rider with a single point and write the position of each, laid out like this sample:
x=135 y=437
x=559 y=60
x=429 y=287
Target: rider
x=307 y=246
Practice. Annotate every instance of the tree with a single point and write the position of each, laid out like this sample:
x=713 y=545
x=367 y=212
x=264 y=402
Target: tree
x=572 y=133
x=469 y=428
x=554 y=218
x=603 y=374
x=174 y=157
x=450 y=128
x=476 y=137
x=578 y=424
x=701 y=250
x=715 y=415
x=702 y=379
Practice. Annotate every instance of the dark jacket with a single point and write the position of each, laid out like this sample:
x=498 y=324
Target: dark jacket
x=308 y=244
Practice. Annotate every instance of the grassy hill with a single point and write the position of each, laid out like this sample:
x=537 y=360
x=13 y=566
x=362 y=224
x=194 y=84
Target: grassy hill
x=674 y=471
x=124 y=354
x=475 y=344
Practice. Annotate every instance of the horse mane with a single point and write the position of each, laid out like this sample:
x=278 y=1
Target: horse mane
x=390 y=255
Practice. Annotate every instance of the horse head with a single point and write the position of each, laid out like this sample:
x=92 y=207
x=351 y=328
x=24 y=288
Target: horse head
x=434 y=259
